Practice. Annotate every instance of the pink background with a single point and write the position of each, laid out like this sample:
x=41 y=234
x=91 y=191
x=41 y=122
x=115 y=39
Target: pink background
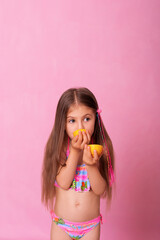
x=111 y=47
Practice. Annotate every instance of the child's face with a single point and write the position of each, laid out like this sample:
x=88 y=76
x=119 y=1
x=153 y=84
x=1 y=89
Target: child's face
x=80 y=116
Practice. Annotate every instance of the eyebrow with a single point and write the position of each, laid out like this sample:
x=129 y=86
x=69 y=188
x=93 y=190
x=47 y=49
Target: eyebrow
x=82 y=116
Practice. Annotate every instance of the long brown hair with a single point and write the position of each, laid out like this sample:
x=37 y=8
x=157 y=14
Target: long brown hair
x=57 y=139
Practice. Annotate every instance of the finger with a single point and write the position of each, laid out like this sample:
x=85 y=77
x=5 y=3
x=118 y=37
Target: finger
x=95 y=157
x=85 y=147
x=87 y=158
x=80 y=137
x=85 y=139
x=75 y=139
x=89 y=151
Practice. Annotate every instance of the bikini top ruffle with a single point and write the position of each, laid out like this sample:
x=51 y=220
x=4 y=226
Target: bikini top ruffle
x=81 y=181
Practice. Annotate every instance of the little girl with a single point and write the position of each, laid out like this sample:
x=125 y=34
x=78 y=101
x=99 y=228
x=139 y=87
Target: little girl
x=71 y=175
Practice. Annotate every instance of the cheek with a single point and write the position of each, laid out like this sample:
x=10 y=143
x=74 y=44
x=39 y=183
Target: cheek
x=69 y=130
x=91 y=128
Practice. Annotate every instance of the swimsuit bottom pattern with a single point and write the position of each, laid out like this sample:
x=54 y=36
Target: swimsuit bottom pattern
x=76 y=230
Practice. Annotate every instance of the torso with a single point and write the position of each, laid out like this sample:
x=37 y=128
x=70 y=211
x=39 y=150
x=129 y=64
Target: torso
x=76 y=206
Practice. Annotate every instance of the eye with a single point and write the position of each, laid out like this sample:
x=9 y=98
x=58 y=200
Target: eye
x=86 y=119
x=71 y=121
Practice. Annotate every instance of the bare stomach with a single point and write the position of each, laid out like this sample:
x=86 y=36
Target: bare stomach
x=76 y=206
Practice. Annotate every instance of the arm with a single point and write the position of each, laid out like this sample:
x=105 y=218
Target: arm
x=66 y=174
x=97 y=182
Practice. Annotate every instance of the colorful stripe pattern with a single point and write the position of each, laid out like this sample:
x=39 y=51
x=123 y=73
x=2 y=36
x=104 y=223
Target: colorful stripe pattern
x=81 y=182
x=76 y=230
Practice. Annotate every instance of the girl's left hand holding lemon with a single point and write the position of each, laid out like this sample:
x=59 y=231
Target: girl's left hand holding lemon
x=88 y=159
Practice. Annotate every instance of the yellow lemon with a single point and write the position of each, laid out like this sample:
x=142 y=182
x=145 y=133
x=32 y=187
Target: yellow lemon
x=75 y=133
x=97 y=147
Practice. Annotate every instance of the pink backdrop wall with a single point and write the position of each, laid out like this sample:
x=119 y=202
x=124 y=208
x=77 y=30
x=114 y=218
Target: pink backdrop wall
x=111 y=47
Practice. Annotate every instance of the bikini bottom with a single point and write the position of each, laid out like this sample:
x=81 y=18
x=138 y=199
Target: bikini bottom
x=76 y=230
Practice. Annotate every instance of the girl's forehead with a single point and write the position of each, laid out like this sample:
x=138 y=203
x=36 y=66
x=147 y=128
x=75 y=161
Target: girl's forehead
x=79 y=109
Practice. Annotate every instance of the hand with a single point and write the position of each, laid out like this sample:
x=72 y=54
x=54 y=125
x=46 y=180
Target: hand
x=79 y=141
x=88 y=159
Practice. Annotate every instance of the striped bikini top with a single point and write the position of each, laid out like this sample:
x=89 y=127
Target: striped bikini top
x=81 y=181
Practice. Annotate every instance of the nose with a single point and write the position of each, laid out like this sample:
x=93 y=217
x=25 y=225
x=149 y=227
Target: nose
x=80 y=125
